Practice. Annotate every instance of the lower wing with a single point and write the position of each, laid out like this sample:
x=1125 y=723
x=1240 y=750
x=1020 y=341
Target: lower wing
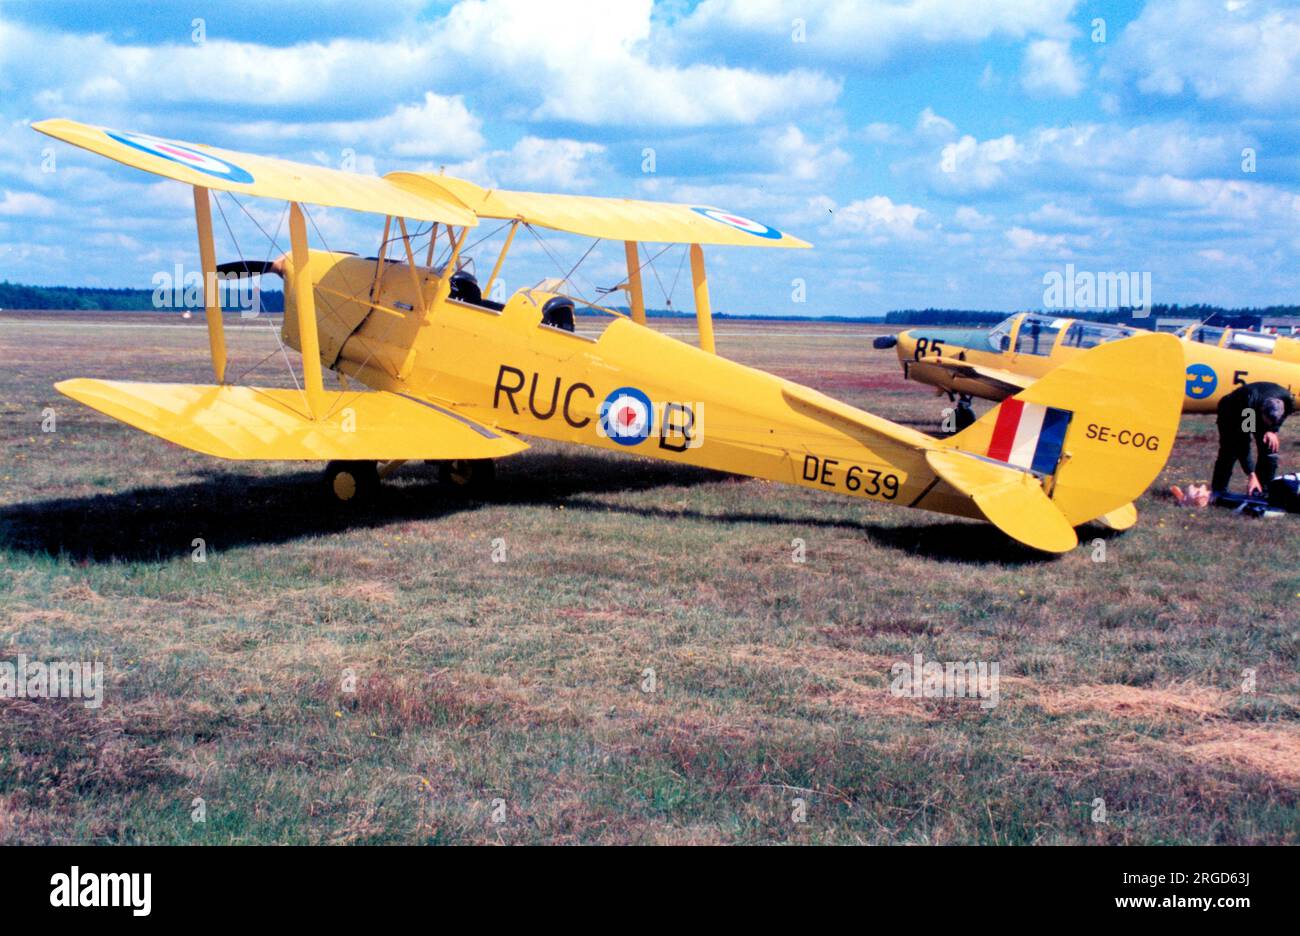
x=254 y=423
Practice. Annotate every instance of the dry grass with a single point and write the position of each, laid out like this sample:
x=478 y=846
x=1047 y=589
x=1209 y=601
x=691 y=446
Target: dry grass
x=484 y=686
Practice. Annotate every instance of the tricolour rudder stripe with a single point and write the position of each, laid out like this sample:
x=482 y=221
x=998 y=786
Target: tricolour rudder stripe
x=1051 y=439
x=1004 y=432
x=1026 y=443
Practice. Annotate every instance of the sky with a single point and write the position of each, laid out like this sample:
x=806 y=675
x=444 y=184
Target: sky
x=936 y=153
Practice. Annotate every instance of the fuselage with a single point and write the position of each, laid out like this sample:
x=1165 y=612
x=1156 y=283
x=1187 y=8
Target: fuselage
x=1033 y=467
x=626 y=388
x=1031 y=345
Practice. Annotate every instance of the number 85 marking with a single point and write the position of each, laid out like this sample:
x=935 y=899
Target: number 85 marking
x=927 y=344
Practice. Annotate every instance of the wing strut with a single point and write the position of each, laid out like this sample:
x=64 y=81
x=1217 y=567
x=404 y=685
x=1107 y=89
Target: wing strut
x=501 y=258
x=636 y=298
x=211 y=297
x=305 y=306
x=703 y=310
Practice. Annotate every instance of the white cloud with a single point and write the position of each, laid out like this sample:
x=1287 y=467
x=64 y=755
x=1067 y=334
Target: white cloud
x=930 y=125
x=562 y=163
x=1056 y=217
x=1224 y=259
x=1089 y=153
x=869 y=32
x=969 y=165
x=590 y=62
x=799 y=158
x=90 y=70
x=1050 y=71
x=1027 y=241
x=438 y=126
x=880 y=132
x=880 y=218
x=972 y=219
x=534 y=162
x=1247 y=54
x=25 y=204
x=1225 y=199
x=585 y=61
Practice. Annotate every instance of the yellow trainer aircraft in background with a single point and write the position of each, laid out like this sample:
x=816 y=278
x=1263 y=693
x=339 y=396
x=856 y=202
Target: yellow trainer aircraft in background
x=453 y=377
x=994 y=363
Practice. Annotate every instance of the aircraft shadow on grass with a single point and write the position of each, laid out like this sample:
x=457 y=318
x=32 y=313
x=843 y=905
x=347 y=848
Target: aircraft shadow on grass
x=233 y=509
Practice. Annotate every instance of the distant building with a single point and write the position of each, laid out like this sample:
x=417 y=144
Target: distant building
x=1280 y=324
x=1173 y=324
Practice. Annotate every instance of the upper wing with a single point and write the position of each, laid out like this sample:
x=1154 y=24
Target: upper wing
x=262 y=176
x=272 y=424
x=619 y=219
x=989 y=383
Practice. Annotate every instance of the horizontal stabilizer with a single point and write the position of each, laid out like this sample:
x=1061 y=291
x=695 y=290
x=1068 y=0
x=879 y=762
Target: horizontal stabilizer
x=1013 y=501
x=853 y=422
x=252 y=423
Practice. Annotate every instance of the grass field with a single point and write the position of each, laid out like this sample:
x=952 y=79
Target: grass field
x=506 y=701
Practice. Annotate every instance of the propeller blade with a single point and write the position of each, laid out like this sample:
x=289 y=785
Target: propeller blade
x=880 y=344
x=242 y=269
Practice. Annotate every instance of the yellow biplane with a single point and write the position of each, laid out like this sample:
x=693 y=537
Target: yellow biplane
x=994 y=363
x=448 y=375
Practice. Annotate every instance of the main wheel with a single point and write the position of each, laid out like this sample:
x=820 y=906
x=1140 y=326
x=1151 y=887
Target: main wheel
x=473 y=475
x=352 y=482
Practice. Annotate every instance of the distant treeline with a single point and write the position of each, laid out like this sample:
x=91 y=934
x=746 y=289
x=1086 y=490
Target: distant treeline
x=689 y=314
x=1213 y=315
x=943 y=317
x=96 y=299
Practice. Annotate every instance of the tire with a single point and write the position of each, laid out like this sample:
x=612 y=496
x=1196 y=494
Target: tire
x=352 y=483
x=472 y=476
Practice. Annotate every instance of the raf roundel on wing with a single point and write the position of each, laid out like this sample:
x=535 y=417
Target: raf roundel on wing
x=740 y=223
x=187 y=156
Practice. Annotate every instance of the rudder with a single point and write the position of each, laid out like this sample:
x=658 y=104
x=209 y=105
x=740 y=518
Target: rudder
x=1098 y=429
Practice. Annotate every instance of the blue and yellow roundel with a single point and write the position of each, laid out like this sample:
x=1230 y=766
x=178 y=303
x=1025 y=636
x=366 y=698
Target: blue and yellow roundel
x=1201 y=381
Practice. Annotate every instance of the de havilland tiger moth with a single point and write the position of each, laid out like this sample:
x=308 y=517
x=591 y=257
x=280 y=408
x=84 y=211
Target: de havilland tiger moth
x=429 y=369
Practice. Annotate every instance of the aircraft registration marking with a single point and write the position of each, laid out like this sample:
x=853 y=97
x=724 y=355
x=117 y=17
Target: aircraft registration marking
x=851 y=478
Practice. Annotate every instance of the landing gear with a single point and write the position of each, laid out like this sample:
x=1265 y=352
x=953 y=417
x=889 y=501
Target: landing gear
x=352 y=482
x=473 y=475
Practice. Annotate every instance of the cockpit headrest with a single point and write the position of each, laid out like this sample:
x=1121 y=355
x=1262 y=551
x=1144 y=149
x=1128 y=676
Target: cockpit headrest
x=558 y=313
